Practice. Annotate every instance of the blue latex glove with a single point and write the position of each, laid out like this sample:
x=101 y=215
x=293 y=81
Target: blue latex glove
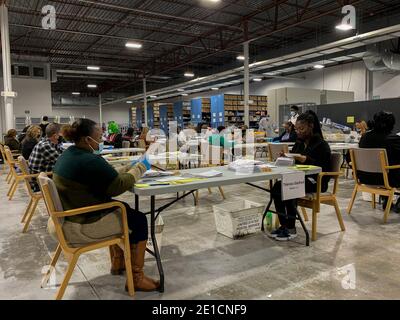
x=145 y=160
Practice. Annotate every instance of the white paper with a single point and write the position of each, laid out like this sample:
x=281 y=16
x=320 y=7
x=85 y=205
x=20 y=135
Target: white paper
x=207 y=174
x=168 y=179
x=293 y=185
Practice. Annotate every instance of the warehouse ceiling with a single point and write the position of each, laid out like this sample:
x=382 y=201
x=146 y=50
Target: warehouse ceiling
x=201 y=36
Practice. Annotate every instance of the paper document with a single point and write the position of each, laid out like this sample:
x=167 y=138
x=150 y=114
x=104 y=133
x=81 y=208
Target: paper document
x=155 y=173
x=293 y=185
x=206 y=174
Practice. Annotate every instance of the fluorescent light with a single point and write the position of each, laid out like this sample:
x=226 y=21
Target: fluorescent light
x=189 y=74
x=129 y=102
x=214 y=89
x=76 y=93
x=181 y=90
x=344 y=27
x=214 y=0
x=93 y=86
x=240 y=57
x=184 y=94
x=133 y=45
x=93 y=68
x=257 y=79
x=319 y=66
x=153 y=97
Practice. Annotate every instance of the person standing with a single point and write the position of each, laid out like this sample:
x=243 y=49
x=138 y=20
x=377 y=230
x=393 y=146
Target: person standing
x=267 y=126
x=43 y=125
x=294 y=114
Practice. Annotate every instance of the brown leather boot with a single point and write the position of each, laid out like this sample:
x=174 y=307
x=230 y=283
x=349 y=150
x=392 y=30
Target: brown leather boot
x=117 y=260
x=141 y=282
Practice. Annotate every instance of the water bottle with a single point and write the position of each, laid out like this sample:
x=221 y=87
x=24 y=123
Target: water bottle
x=268 y=221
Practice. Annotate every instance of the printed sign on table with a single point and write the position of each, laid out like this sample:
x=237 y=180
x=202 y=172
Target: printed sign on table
x=293 y=185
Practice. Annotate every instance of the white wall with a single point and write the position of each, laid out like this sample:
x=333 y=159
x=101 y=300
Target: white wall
x=118 y=112
x=33 y=95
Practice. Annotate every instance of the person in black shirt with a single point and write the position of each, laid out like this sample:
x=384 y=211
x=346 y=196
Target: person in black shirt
x=31 y=140
x=43 y=125
x=314 y=150
x=381 y=136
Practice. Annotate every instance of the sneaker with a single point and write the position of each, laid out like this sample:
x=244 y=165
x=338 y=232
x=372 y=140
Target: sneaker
x=286 y=234
x=275 y=233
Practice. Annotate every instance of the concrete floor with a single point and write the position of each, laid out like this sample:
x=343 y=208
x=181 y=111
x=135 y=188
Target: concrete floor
x=201 y=264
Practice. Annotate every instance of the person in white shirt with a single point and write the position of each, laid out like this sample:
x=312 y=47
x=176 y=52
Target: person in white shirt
x=267 y=126
x=294 y=113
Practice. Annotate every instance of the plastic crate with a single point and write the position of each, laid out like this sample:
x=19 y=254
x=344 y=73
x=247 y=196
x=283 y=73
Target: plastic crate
x=239 y=218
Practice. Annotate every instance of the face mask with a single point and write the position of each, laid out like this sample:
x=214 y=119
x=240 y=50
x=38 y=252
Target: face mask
x=292 y=113
x=101 y=147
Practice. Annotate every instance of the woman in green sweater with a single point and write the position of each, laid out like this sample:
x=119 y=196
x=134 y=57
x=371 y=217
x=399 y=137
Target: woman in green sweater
x=84 y=178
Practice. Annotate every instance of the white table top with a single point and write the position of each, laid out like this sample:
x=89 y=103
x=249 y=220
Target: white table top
x=228 y=178
x=121 y=150
x=170 y=156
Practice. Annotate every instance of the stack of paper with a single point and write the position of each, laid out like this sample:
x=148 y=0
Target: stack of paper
x=155 y=174
x=205 y=174
x=244 y=164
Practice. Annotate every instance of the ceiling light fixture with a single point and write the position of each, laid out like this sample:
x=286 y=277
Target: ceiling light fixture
x=92 y=86
x=153 y=97
x=93 y=68
x=129 y=102
x=181 y=90
x=76 y=93
x=184 y=94
x=319 y=66
x=257 y=79
x=240 y=57
x=133 y=45
x=214 y=89
x=189 y=74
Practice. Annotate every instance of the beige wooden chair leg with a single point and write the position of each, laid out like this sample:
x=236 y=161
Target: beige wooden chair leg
x=13 y=189
x=27 y=211
x=9 y=176
x=388 y=207
x=222 y=192
x=29 y=218
x=53 y=263
x=196 y=198
x=67 y=277
x=209 y=190
x=128 y=267
x=304 y=212
x=353 y=197
x=339 y=215
x=314 y=225
x=373 y=201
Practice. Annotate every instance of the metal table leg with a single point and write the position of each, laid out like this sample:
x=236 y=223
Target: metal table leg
x=154 y=240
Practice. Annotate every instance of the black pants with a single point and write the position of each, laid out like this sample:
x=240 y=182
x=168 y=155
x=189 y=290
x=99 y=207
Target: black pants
x=137 y=223
x=288 y=209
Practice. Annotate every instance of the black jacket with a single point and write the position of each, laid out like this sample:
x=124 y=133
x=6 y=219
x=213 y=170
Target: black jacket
x=292 y=137
x=12 y=143
x=27 y=147
x=390 y=142
x=318 y=153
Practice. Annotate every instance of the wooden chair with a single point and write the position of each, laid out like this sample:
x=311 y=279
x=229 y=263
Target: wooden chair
x=314 y=200
x=57 y=214
x=372 y=161
x=15 y=177
x=5 y=164
x=35 y=196
x=211 y=156
x=275 y=149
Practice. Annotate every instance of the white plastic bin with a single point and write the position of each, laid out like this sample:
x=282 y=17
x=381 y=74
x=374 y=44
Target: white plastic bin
x=159 y=233
x=239 y=218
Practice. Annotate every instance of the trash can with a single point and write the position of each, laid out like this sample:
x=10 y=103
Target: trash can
x=239 y=218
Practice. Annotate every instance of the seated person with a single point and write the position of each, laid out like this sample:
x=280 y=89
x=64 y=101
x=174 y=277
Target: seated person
x=115 y=137
x=64 y=129
x=381 y=136
x=45 y=154
x=84 y=178
x=289 y=135
x=31 y=139
x=11 y=140
x=314 y=150
x=22 y=135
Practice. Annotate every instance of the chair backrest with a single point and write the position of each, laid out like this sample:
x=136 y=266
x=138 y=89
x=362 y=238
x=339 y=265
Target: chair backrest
x=126 y=144
x=336 y=161
x=141 y=144
x=53 y=205
x=274 y=150
x=8 y=154
x=23 y=166
x=371 y=161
